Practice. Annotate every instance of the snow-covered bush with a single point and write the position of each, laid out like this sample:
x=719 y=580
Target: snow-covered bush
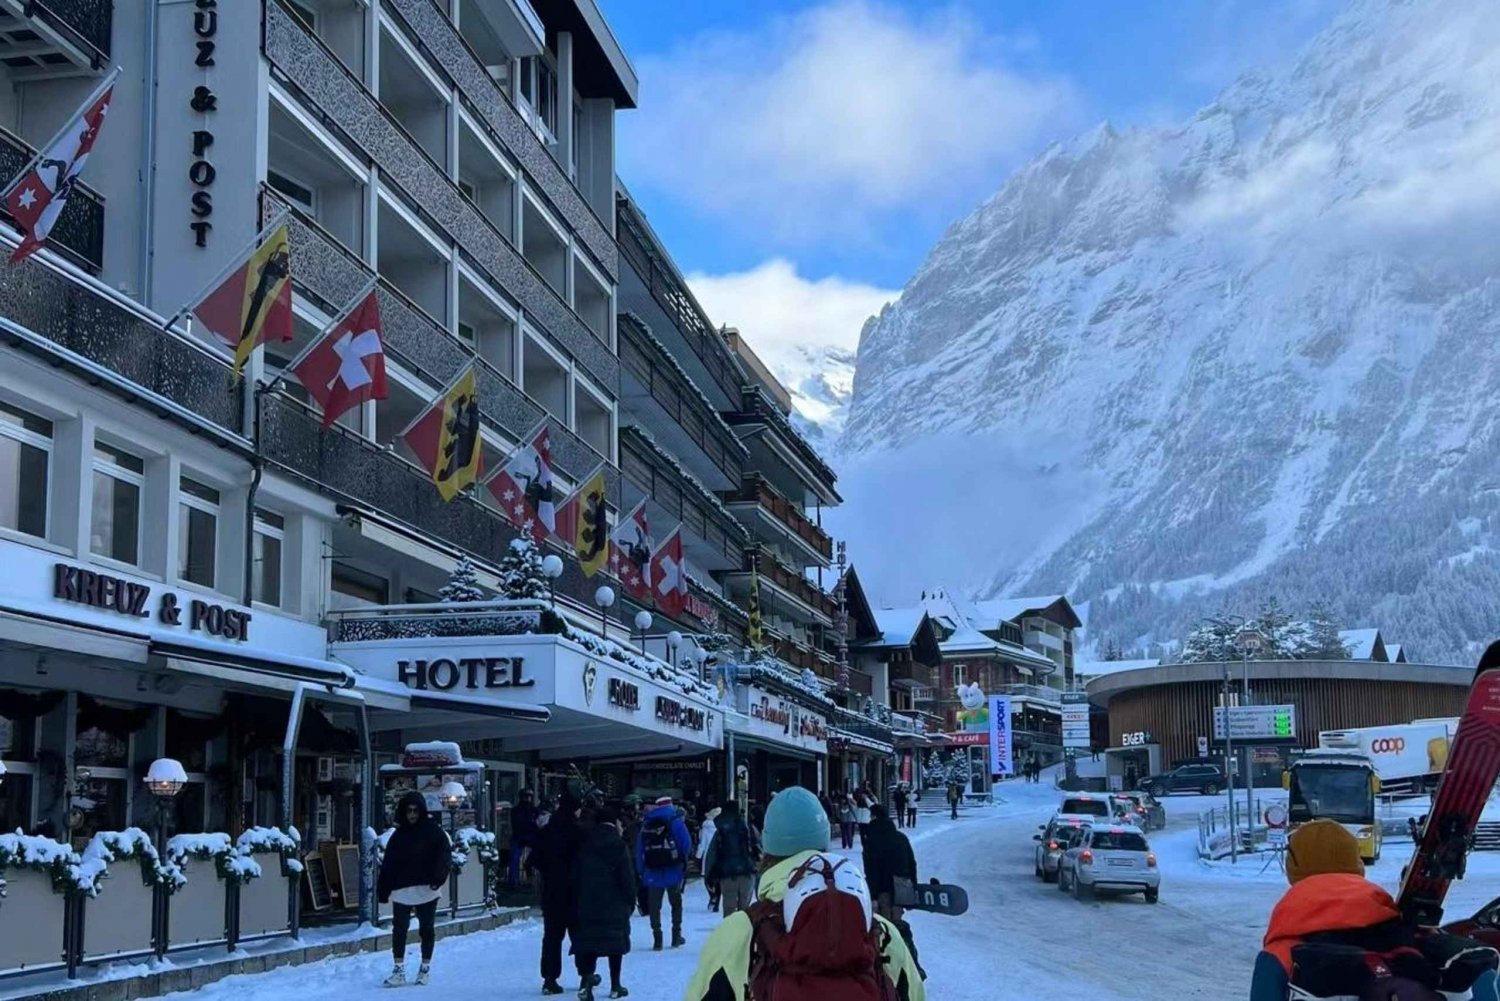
x=63 y=865
x=469 y=841
x=287 y=844
x=521 y=571
x=230 y=863
x=133 y=843
x=463 y=584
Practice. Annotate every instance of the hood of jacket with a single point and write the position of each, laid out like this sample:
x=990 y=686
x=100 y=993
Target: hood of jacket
x=1333 y=901
x=412 y=798
x=667 y=813
x=773 y=881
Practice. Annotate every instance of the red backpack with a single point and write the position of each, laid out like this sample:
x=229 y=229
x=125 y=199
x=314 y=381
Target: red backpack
x=821 y=942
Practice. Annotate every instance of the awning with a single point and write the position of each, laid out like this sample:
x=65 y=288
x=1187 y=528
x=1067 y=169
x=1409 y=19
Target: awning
x=741 y=742
x=859 y=740
x=45 y=632
x=393 y=695
x=210 y=661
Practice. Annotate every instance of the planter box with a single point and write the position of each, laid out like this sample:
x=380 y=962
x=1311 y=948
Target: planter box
x=470 y=886
x=196 y=914
x=118 y=921
x=263 y=901
x=32 y=916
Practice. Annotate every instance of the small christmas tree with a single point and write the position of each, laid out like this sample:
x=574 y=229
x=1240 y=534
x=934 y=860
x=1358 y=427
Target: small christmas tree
x=463 y=585
x=935 y=771
x=521 y=571
x=960 y=770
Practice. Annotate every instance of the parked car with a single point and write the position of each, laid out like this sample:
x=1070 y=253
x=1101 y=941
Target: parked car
x=1483 y=926
x=1205 y=779
x=1113 y=859
x=1143 y=809
x=1056 y=838
x=1085 y=805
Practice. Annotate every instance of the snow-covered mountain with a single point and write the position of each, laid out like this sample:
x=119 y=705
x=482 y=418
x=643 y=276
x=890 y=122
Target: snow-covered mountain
x=1173 y=369
x=821 y=381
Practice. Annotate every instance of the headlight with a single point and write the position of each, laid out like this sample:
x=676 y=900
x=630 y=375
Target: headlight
x=1367 y=832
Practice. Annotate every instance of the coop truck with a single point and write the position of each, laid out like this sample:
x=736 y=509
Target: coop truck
x=1408 y=757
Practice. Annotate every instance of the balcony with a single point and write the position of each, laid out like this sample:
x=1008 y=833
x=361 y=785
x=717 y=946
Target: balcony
x=78 y=233
x=655 y=391
x=1045 y=640
x=1035 y=693
x=49 y=39
x=785 y=444
x=713 y=538
x=757 y=503
x=783 y=588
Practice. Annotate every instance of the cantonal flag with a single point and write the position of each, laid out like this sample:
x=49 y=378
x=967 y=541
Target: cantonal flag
x=523 y=487
x=346 y=366
x=630 y=553
x=583 y=522
x=445 y=437
x=254 y=304
x=669 y=576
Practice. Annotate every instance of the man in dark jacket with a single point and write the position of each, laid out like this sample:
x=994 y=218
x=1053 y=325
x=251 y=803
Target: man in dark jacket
x=413 y=870
x=630 y=828
x=553 y=858
x=605 y=877
x=661 y=854
x=523 y=830
x=887 y=856
x=731 y=861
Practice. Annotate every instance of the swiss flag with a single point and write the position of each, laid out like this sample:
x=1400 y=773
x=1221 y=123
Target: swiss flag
x=630 y=553
x=346 y=366
x=669 y=576
x=38 y=196
x=523 y=488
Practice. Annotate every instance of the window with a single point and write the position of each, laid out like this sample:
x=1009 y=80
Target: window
x=198 y=522
x=115 y=531
x=266 y=578
x=25 y=457
x=959 y=675
x=299 y=193
x=353 y=588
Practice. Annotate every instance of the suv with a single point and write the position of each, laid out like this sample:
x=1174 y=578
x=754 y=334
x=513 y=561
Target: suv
x=1114 y=859
x=1205 y=779
x=1142 y=809
x=1056 y=838
x=1084 y=805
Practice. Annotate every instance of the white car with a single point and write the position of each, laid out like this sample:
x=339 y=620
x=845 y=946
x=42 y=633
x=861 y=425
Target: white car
x=1057 y=837
x=1110 y=858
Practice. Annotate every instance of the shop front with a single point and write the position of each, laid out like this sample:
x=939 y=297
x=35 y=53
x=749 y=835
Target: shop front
x=777 y=742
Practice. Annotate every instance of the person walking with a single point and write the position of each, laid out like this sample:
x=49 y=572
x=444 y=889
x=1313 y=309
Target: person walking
x=887 y=857
x=523 y=828
x=413 y=872
x=605 y=876
x=705 y=843
x=848 y=816
x=731 y=860
x=911 y=807
x=955 y=796
x=899 y=799
x=553 y=859
x=862 y=801
x=737 y=964
x=630 y=823
x=661 y=854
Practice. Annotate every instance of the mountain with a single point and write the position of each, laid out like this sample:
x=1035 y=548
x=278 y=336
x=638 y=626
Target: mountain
x=1171 y=370
x=821 y=381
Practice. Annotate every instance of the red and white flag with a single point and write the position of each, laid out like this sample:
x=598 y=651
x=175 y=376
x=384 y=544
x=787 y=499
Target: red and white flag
x=523 y=487
x=630 y=553
x=669 y=576
x=346 y=366
x=38 y=196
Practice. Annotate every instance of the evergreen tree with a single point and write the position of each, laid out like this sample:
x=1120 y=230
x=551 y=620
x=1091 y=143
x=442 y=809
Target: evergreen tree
x=1283 y=638
x=935 y=771
x=1212 y=641
x=1112 y=650
x=463 y=585
x=1323 y=642
x=521 y=571
x=960 y=769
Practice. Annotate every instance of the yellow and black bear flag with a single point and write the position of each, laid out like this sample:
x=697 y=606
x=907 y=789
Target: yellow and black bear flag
x=445 y=437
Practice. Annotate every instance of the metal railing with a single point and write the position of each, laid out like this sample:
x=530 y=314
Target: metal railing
x=757 y=490
x=78 y=233
x=1040 y=693
x=87 y=24
x=470 y=618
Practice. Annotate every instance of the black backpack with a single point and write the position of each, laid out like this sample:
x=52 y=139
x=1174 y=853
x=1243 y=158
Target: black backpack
x=1388 y=962
x=658 y=846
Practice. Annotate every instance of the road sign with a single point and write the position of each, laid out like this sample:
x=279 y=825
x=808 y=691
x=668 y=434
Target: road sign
x=1257 y=722
x=1075 y=720
x=1276 y=815
x=1276 y=837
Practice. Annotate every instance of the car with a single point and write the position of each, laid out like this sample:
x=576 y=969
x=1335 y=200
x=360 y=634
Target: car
x=1145 y=810
x=1056 y=838
x=1205 y=779
x=1110 y=859
x=1085 y=805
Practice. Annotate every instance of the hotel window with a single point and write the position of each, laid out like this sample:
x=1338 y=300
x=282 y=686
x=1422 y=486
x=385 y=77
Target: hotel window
x=958 y=675
x=25 y=457
x=115 y=530
x=539 y=89
x=299 y=194
x=269 y=536
x=198 y=521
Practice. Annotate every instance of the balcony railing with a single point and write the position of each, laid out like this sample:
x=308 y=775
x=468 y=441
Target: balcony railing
x=78 y=233
x=756 y=408
x=1040 y=693
x=784 y=577
x=86 y=25
x=488 y=618
x=861 y=682
x=647 y=465
x=756 y=490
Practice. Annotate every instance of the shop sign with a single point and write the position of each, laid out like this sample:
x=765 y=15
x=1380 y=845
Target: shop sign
x=204 y=102
x=674 y=713
x=1135 y=738
x=703 y=610
x=776 y=712
x=814 y=727
x=968 y=738
x=444 y=674
x=774 y=717
x=623 y=694
x=127 y=597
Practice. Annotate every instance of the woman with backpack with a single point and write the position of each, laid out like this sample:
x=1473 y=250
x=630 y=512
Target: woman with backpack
x=805 y=960
x=605 y=877
x=731 y=859
x=413 y=871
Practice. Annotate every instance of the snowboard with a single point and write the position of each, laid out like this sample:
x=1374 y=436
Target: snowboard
x=1447 y=832
x=933 y=897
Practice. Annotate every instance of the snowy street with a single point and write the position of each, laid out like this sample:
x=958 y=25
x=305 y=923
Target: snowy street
x=1034 y=941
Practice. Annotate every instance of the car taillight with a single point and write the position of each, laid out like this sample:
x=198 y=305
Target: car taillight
x=1151 y=860
x=1052 y=846
x=1087 y=858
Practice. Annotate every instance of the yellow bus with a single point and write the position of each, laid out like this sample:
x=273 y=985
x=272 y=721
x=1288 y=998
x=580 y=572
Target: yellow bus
x=1340 y=786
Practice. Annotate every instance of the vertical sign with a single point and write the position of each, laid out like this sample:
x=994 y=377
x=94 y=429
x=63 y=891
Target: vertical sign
x=203 y=104
x=1000 y=756
x=1076 y=732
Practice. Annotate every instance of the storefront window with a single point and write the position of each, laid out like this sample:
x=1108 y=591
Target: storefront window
x=115 y=530
x=269 y=535
x=17 y=739
x=188 y=808
x=101 y=748
x=100 y=803
x=185 y=745
x=198 y=521
x=15 y=802
x=25 y=454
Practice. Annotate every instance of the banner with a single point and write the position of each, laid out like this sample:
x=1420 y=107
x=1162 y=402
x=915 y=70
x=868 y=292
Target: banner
x=1000 y=751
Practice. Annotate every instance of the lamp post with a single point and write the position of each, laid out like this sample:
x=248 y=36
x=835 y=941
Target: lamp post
x=552 y=568
x=604 y=597
x=164 y=779
x=452 y=795
x=674 y=640
x=1249 y=641
x=642 y=623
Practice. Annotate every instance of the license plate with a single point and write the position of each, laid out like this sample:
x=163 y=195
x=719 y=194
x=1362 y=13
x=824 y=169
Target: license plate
x=1121 y=861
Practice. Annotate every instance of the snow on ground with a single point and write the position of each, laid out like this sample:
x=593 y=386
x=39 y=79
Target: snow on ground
x=1021 y=939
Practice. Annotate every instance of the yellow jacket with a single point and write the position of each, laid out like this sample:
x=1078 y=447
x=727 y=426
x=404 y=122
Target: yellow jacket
x=724 y=965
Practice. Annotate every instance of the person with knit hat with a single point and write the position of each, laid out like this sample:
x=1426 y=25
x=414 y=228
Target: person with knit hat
x=662 y=850
x=794 y=843
x=1331 y=900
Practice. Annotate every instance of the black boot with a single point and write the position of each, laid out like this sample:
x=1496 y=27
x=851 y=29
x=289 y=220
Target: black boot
x=551 y=987
x=656 y=940
x=677 y=940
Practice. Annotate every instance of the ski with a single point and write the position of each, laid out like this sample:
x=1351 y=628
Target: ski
x=1445 y=835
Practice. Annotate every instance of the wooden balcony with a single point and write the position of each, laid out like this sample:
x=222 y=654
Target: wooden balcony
x=757 y=494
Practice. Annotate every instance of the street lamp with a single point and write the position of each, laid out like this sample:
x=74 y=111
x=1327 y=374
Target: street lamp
x=674 y=640
x=642 y=623
x=1249 y=641
x=552 y=568
x=164 y=779
x=604 y=597
x=452 y=796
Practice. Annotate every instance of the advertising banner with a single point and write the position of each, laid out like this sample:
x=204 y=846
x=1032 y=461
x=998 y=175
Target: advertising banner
x=1000 y=736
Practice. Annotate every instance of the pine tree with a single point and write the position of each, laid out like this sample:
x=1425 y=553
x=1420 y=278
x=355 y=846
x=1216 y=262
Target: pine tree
x=960 y=769
x=1212 y=641
x=1112 y=651
x=935 y=772
x=521 y=571
x=463 y=585
x=1283 y=637
x=1323 y=642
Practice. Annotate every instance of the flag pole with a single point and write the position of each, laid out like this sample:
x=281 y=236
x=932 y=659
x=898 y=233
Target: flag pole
x=36 y=157
x=328 y=328
x=234 y=263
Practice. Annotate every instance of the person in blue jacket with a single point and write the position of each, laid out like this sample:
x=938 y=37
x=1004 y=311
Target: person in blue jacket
x=662 y=850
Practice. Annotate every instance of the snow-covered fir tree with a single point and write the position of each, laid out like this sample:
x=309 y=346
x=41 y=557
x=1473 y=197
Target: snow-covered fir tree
x=935 y=770
x=1112 y=651
x=463 y=585
x=960 y=769
x=521 y=571
x=1212 y=641
x=1322 y=640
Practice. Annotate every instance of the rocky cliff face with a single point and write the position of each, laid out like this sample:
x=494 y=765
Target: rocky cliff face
x=1170 y=370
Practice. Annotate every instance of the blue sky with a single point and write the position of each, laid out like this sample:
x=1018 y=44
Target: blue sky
x=780 y=144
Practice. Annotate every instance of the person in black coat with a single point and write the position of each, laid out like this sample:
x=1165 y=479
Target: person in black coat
x=552 y=858
x=887 y=855
x=413 y=871
x=604 y=873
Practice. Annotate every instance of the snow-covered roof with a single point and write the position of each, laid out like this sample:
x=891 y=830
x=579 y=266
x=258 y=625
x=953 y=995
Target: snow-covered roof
x=1096 y=668
x=898 y=626
x=1361 y=642
x=964 y=623
x=1395 y=654
x=1000 y=610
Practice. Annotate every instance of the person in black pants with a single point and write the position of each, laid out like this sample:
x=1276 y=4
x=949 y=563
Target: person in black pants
x=553 y=858
x=412 y=874
x=604 y=873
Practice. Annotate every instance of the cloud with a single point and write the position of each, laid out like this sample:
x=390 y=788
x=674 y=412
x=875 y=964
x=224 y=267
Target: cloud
x=831 y=120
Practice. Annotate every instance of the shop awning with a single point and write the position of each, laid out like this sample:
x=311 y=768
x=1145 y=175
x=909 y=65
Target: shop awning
x=392 y=695
x=859 y=741
x=44 y=631
x=211 y=661
x=743 y=743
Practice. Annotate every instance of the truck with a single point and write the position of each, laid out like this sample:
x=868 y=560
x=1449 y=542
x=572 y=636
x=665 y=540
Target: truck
x=1408 y=757
x=1340 y=786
